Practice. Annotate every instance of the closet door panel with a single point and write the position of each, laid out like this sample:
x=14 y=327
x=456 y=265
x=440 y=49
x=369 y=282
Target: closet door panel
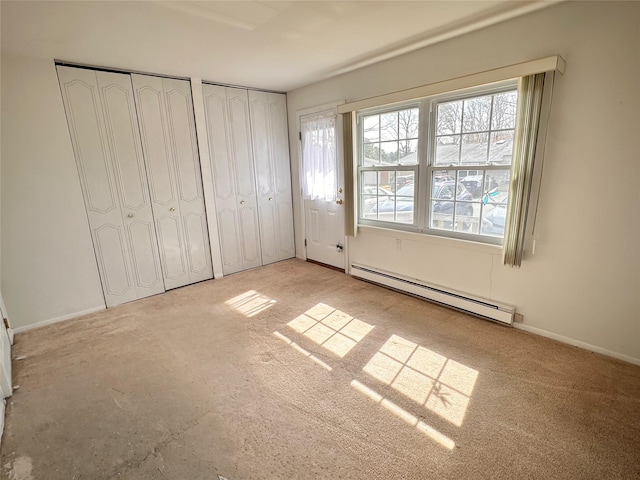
x=280 y=139
x=269 y=131
x=98 y=117
x=282 y=178
x=90 y=145
x=112 y=258
x=127 y=156
x=268 y=232
x=230 y=243
x=171 y=250
x=153 y=131
x=130 y=178
x=241 y=146
x=181 y=123
x=188 y=179
x=144 y=254
x=168 y=132
x=222 y=166
x=261 y=142
x=195 y=224
x=250 y=236
x=231 y=157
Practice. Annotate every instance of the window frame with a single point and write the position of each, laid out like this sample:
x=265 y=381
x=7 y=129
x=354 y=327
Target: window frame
x=425 y=165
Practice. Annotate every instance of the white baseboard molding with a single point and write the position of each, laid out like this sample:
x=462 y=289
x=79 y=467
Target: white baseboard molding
x=62 y=318
x=482 y=307
x=577 y=343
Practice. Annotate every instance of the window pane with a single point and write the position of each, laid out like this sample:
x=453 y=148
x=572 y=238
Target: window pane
x=371 y=128
x=441 y=220
x=472 y=182
x=408 y=152
x=389 y=126
x=408 y=123
x=389 y=153
x=496 y=186
x=467 y=216
x=369 y=182
x=474 y=149
x=372 y=193
x=379 y=202
x=402 y=179
x=504 y=110
x=371 y=155
x=501 y=147
x=448 y=150
x=449 y=118
x=367 y=204
x=404 y=204
x=476 y=114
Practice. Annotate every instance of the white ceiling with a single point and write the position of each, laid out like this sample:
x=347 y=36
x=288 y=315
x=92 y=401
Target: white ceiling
x=276 y=45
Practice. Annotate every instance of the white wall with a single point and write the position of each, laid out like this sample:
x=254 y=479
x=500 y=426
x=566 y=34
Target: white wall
x=48 y=264
x=582 y=285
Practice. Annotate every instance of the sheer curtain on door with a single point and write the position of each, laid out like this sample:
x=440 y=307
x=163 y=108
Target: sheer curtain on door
x=320 y=172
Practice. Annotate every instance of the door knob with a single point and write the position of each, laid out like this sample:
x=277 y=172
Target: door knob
x=130 y=215
x=339 y=201
x=340 y=190
x=241 y=202
x=270 y=198
x=172 y=209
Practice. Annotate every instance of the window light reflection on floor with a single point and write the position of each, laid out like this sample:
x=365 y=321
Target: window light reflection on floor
x=442 y=385
x=412 y=420
x=331 y=328
x=306 y=353
x=250 y=303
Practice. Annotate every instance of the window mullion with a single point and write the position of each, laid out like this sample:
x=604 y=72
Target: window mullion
x=424 y=149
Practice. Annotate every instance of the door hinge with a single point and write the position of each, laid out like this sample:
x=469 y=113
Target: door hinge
x=300 y=135
x=6 y=322
x=305 y=242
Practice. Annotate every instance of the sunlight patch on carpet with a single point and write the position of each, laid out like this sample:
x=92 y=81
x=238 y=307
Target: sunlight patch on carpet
x=250 y=303
x=441 y=384
x=331 y=328
x=401 y=413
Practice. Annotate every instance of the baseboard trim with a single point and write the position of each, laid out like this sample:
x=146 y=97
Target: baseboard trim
x=577 y=343
x=62 y=318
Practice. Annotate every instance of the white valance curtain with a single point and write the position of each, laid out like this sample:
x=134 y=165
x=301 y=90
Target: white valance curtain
x=319 y=167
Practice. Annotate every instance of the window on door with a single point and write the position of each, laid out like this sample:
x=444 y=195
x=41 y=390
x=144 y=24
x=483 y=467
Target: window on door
x=441 y=165
x=318 y=136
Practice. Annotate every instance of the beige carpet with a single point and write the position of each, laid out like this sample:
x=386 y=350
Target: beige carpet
x=295 y=371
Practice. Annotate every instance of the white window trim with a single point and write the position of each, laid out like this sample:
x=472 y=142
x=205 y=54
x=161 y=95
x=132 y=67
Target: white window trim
x=540 y=65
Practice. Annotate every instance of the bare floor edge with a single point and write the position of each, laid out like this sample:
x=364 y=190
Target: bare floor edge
x=297 y=371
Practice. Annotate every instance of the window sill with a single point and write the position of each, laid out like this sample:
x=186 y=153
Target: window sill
x=432 y=240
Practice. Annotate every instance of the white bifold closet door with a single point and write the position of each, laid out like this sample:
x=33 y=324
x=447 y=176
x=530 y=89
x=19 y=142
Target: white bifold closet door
x=268 y=113
x=231 y=157
x=167 y=128
x=102 y=121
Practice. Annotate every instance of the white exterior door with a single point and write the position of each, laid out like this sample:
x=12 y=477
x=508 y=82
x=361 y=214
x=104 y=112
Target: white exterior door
x=165 y=115
x=102 y=121
x=268 y=113
x=231 y=157
x=322 y=189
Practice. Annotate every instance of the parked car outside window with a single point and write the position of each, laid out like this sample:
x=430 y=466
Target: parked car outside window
x=400 y=207
x=473 y=183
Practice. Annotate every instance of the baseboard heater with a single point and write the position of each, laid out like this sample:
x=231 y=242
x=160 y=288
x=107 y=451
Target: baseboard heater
x=474 y=305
